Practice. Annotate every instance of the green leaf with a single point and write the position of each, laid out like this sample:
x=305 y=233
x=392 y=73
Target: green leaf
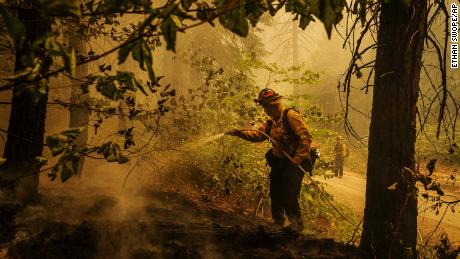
x=41 y=160
x=328 y=11
x=126 y=81
x=56 y=143
x=66 y=172
x=123 y=159
x=76 y=162
x=111 y=152
x=139 y=86
x=70 y=62
x=297 y=7
x=73 y=132
x=104 y=67
x=362 y=12
x=439 y=191
x=124 y=51
x=108 y=89
x=204 y=14
x=14 y=26
x=186 y=4
x=60 y=7
x=169 y=29
x=141 y=52
x=147 y=58
x=436 y=186
x=137 y=53
x=235 y=21
x=271 y=9
x=431 y=166
x=355 y=8
x=148 y=21
x=255 y=9
x=425 y=181
x=52 y=175
x=304 y=21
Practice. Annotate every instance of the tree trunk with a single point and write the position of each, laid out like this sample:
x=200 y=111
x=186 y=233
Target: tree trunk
x=390 y=216
x=27 y=120
x=79 y=114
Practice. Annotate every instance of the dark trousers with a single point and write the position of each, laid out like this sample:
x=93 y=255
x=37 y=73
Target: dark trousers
x=338 y=166
x=285 y=185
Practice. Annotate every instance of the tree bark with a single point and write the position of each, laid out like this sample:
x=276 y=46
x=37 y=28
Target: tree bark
x=390 y=216
x=79 y=114
x=27 y=119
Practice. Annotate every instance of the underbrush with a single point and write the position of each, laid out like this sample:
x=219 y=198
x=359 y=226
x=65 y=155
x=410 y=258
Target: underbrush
x=322 y=219
x=443 y=248
x=235 y=171
x=231 y=168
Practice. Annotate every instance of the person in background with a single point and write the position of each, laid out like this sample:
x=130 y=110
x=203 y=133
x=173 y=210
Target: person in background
x=287 y=128
x=341 y=152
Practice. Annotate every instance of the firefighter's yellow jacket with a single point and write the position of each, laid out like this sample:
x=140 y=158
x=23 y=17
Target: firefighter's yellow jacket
x=297 y=147
x=340 y=151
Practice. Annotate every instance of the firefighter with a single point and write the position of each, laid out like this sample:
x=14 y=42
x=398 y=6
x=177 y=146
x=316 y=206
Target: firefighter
x=341 y=152
x=287 y=128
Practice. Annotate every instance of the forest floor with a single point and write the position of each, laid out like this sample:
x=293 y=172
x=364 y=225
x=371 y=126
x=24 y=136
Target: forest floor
x=351 y=190
x=167 y=219
x=171 y=216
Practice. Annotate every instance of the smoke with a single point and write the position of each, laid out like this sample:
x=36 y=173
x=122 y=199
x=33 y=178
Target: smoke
x=121 y=217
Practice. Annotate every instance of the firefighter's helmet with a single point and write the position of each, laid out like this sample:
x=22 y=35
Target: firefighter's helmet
x=267 y=96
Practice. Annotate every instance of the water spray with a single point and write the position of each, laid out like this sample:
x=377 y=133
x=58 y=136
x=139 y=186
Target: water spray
x=201 y=142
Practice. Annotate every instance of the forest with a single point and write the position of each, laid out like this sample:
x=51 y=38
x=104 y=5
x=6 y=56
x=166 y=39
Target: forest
x=229 y=129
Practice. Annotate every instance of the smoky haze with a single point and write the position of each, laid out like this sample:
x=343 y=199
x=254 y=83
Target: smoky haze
x=178 y=149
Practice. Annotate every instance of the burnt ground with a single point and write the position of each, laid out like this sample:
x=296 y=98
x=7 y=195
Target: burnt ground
x=152 y=223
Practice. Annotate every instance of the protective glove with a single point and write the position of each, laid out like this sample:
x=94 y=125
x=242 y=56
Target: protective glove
x=233 y=132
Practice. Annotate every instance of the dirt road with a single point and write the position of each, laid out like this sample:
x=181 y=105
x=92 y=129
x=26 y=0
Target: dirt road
x=351 y=191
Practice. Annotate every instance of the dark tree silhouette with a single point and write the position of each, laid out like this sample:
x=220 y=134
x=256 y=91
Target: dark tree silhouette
x=27 y=118
x=390 y=216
